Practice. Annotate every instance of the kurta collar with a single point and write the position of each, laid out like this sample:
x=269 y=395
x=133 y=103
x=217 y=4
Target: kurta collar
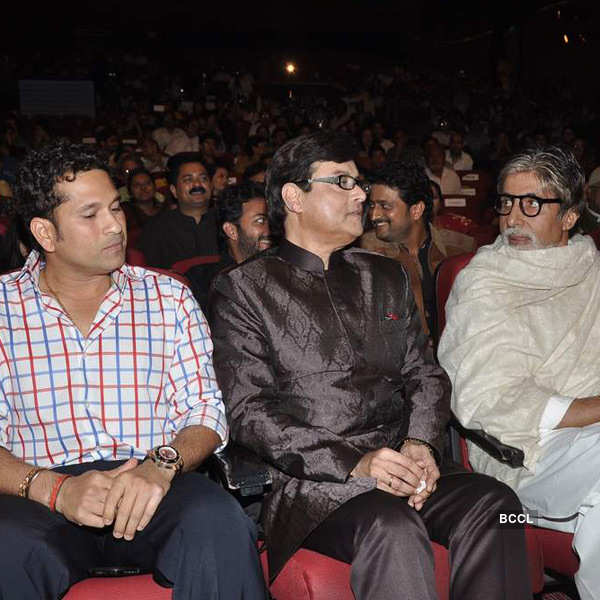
x=300 y=257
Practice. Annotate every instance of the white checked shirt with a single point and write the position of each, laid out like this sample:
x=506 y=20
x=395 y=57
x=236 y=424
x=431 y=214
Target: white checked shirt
x=143 y=373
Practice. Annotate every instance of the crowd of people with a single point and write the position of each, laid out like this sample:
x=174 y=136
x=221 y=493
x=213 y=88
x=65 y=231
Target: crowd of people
x=309 y=228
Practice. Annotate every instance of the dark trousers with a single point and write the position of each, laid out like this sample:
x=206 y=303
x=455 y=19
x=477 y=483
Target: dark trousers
x=199 y=542
x=388 y=542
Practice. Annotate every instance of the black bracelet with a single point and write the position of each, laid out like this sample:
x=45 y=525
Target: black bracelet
x=420 y=443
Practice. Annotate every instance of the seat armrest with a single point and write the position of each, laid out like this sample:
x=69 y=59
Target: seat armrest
x=508 y=455
x=241 y=470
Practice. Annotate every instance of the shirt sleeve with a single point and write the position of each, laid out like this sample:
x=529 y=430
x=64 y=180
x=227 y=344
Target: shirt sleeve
x=192 y=391
x=5 y=409
x=555 y=410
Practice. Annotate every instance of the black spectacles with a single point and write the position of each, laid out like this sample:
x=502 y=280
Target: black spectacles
x=346 y=182
x=530 y=204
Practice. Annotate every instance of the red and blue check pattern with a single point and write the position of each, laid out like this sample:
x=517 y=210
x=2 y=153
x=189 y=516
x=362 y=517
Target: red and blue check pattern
x=142 y=374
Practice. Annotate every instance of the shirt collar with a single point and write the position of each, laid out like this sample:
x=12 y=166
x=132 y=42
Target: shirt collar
x=32 y=268
x=35 y=264
x=300 y=257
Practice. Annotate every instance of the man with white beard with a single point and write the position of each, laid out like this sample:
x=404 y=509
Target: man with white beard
x=522 y=349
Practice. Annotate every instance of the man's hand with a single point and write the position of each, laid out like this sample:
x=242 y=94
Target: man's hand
x=134 y=497
x=396 y=473
x=81 y=499
x=420 y=454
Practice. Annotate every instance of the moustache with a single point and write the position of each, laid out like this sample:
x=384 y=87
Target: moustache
x=516 y=231
x=197 y=190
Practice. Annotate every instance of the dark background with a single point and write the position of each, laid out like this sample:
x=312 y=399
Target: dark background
x=323 y=36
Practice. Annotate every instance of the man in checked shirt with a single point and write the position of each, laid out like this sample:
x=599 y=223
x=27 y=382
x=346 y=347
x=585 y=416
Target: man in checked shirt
x=108 y=403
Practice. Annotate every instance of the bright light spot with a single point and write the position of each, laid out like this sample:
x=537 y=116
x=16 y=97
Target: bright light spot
x=290 y=68
x=566 y=38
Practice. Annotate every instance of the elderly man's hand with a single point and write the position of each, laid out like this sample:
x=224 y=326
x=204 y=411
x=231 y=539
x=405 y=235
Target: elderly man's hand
x=396 y=473
x=421 y=455
x=134 y=498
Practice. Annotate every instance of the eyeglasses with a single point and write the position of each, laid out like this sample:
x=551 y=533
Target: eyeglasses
x=346 y=182
x=530 y=204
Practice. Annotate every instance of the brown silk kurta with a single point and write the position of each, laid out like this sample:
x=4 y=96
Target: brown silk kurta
x=317 y=368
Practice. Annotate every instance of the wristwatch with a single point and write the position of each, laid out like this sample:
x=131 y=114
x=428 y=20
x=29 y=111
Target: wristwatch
x=166 y=457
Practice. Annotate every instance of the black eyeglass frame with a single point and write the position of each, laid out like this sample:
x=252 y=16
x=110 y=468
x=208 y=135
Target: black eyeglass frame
x=520 y=198
x=337 y=180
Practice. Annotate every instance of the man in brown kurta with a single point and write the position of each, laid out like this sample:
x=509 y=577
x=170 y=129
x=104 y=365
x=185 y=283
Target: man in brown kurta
x=326 y=374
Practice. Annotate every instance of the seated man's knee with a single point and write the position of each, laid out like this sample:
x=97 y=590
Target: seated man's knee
x=494 y=494
x=391 y=516
x=211 y=507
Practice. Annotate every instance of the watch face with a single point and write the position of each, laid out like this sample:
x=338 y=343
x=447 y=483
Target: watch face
x=167 y=453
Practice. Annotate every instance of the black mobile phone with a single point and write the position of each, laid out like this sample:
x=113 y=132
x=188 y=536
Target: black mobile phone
x=113 y=571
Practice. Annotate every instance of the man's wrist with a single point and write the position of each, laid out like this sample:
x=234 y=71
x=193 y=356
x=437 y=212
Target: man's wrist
x=418 y=442
x=151 y=467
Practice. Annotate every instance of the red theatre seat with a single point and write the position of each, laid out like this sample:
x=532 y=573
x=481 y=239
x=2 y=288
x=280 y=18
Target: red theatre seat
x=135 y=257
x=309 y=575
x=137 y=587
x=547 y=549
x=183 y=266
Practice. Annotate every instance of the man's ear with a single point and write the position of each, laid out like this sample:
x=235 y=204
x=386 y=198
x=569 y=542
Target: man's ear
x=44 y=231
x=292 y=197
x=569 y=219
x=173 y=191
x=416 y=210
x=230 y=230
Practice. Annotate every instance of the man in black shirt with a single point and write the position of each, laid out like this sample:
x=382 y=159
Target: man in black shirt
x=190 y=229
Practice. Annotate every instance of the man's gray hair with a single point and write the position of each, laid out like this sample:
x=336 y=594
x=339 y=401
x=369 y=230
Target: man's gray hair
x=556 y=169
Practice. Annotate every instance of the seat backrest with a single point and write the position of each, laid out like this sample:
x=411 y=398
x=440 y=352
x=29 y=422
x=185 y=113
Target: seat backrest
x=183 y=266
x=463 y=203
x=178 y=276
x=446 y=273
x=135 y=257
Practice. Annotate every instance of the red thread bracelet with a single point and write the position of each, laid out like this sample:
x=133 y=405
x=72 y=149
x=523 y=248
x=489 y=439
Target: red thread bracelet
x=54 y=494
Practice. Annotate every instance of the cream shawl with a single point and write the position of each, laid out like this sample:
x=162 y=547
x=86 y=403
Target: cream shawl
x=521 y=326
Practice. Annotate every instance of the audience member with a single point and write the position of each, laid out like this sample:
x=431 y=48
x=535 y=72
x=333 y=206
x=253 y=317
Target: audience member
x=243 y=228
x=208 y=147
x=144 y=199
x=456 y=157
x=326 y=374
x=102 y=432
x=256 y=172
x=400 y=208
x=126 y=163
x=171 y=139
x=219 y=177
x=437 y=171
x=152 y=158
x=520 y=345
x=190 y=229
x=255 y=148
